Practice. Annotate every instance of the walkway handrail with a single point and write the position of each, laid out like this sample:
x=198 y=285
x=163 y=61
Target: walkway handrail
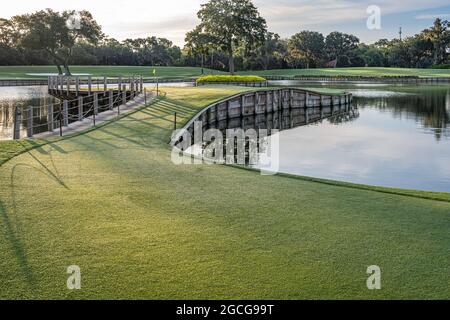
x=76 y=104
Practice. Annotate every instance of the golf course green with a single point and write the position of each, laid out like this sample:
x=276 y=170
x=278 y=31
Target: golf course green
x=23 y=72
x=111 y=201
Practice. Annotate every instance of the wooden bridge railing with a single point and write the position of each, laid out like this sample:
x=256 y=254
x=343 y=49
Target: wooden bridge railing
x=78 y=101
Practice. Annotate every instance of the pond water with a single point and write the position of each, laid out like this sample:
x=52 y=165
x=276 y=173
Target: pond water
x=12 y=97
x=401 y=138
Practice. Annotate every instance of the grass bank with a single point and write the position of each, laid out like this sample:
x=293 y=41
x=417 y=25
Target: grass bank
x=112 y=202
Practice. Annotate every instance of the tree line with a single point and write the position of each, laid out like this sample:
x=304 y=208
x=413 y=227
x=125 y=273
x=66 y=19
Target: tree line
x=231 y=35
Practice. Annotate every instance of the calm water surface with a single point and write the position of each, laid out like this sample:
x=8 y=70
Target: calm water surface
x=400 y=139
x=12 y=97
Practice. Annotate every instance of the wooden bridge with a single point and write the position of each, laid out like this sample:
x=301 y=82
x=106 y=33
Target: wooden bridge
x=79 y=99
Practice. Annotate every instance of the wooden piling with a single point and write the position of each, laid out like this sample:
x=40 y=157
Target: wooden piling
x=68 y=85
x=17 y=123
x=111 y=99
x=65 y=113
x=50 y=120
x=89 y=85
x=30 y=121
x=77 y=85
x=96 y=103
x=80 y=108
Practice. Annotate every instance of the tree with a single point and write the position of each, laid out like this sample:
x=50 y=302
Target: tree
x=420 y=50
x=49 y=31
x=439 y=34
x=271 y=53
x=369 y=56
x=340 y=46
x=199 y=43
x=307 y=45
x=231 y=23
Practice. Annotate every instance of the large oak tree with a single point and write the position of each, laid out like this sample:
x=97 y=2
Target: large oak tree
x=51 y=32
x=230 y=24
x=308 y=46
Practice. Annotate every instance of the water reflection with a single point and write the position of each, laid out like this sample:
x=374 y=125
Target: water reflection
x=401 y=139
x=427 y=104
x=13 y=97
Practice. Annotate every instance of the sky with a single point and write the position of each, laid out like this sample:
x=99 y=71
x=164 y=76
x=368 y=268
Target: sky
x=173 y=18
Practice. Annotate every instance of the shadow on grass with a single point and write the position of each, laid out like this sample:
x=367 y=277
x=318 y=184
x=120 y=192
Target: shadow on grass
x=17 y=246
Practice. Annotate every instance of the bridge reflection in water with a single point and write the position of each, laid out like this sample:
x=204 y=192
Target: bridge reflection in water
x=283 y=116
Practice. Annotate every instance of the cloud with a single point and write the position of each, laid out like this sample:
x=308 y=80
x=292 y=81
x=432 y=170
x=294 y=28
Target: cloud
x=288 y=13
x=173 y=28
x=173 y=18
x=432 y=16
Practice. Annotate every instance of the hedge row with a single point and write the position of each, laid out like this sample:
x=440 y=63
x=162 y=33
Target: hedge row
x=218 y=78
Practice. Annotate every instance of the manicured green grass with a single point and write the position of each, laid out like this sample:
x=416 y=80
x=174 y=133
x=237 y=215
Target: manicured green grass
x=112 y=202
x=20 y=72
x=353 y=72
x=10 y=149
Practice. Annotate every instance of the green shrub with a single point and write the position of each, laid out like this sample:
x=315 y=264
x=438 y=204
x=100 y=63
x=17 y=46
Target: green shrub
x=218 y=78
x=440 y=66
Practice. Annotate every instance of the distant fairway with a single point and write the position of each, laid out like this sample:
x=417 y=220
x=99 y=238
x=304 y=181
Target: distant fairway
x=354 y=72
x=22 y=72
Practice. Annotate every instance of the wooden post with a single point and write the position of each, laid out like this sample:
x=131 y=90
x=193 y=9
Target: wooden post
x=280 y=99
x=60 y=121
x=89 y=85
x=95 y=103
x=30 y=121
x=65 y=113
x=111 y=99
x=141 y=85
x=105 y=83
x=256 y=102
x=120 y=83
x=175 y=121
x=17 y=123
x=145 y=96
x=273 y=101
x=242 y=104
x=77 y=85
x=58 y=83
x=307 y=115
x=291 y=99
x=80 y=108
x=50 y=120
x=68 y=85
